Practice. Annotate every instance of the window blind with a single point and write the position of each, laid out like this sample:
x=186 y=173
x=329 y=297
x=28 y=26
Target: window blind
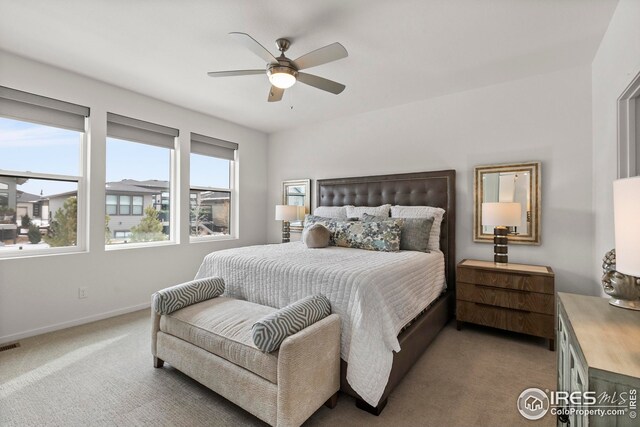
x=33 y=108
x=214 y=147
x=129 y=129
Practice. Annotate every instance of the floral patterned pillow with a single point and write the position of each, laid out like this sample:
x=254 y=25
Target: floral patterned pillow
x=374 y=236
x=330 y=223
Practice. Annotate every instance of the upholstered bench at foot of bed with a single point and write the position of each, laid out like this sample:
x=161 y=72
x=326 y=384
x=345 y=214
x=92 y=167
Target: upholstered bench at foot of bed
x=211 y=342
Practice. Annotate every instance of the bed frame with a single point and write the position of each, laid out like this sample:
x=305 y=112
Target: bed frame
x=409 y=189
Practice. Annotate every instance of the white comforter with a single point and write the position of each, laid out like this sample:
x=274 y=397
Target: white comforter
x=375 y=294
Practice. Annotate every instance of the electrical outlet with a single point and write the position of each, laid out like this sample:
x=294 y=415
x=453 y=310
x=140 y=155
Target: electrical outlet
x=82 y=293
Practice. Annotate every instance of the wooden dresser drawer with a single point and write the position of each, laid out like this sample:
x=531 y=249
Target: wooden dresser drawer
x=506 y=318
x=524 y=282
x=506 y=297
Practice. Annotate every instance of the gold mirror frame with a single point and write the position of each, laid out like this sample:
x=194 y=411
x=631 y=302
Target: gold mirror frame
x=534 y=213
x=297 y=226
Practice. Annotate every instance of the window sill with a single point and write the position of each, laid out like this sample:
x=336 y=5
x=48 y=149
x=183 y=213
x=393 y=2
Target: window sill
x=125 y=246
x=36 y=253
x=209 y=239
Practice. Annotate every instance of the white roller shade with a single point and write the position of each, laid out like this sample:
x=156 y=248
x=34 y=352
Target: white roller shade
x=129 y=129
x=214 y=147
x=28 y=107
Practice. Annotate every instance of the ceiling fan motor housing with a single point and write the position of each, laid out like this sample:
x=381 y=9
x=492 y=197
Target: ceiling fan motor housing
x=279 y=68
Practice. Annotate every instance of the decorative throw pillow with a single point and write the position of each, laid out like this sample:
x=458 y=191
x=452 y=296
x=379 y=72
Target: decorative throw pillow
x=337 y=212
x=329 y=223
x=414 y=235
x=168 y=300
x=423 y=212
x=316 y=236
x=357 y=211
x=269 y=332
x=374 y=236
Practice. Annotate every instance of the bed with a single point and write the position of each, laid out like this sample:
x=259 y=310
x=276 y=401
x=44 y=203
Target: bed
x=377 y=347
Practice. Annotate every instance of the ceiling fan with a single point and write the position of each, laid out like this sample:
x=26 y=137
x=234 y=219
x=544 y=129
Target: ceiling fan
x=284 y=72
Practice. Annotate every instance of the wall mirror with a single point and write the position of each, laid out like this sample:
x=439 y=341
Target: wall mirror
x=518 y=182
x=297 y=192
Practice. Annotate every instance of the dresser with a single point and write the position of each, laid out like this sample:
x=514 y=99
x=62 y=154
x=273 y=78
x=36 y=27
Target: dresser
x=514 y=297
x=599 y=351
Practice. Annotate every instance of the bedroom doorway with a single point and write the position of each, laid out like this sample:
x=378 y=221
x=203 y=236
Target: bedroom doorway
x=629 y=130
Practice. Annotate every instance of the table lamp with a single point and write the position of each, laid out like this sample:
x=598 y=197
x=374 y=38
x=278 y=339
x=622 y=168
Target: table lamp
x=501 y=215
x=286 y=213
x=623 y=284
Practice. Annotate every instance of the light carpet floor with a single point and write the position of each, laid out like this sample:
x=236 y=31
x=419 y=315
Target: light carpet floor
x=101 y=374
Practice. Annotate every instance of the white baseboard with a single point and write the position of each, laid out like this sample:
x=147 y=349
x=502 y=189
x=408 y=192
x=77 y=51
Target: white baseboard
x=76 y=322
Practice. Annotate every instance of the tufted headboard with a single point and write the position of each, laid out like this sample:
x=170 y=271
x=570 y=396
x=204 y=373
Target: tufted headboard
x=436 y=188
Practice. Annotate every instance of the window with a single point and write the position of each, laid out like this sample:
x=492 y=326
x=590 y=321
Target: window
x=138 y=204
x=112 y=204
x=138 y=200
x=122 y=205
x=4 y=195
x=125 y=205
x=122 y=234
x=211 y=182
x=41 y=173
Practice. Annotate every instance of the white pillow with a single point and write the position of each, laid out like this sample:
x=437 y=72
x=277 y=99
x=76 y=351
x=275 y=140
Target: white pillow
x=357 y=212
x=423 y=212
x=337 y=212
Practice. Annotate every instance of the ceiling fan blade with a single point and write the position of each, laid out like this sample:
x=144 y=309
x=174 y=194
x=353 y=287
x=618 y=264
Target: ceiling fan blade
x=329 y=53
x=275 y=94
x=255 y=47
x=234 y=73
x=321 y=83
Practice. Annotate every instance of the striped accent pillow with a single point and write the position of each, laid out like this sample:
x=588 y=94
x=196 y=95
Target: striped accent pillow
x=269 y=332
x=176 y=297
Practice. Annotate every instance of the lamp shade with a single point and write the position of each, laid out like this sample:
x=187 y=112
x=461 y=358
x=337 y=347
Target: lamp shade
x=286 y=213
x=626 y=209
x=501 y=214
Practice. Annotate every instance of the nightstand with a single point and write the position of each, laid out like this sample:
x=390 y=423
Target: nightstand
x=514 y=297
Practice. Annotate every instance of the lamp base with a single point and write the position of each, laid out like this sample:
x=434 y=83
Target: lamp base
x=286 y=234
x=628 y=304
x=500 y=248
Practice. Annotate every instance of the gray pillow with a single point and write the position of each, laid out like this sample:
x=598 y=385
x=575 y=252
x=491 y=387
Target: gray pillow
x=269 y=332
x=414 y=235
x=316 y=236
x=168 y=300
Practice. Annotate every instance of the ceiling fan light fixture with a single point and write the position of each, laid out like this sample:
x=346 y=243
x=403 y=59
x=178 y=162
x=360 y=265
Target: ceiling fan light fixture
x=282 y=77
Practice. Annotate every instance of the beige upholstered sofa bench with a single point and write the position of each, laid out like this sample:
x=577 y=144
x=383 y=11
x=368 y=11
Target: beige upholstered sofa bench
x=211 y=341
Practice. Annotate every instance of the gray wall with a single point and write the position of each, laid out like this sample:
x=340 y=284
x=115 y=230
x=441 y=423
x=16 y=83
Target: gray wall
x=616 y=63
x=40 y=293
x=543 y=118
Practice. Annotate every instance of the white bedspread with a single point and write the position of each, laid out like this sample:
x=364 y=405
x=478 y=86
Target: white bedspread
x=375 y=294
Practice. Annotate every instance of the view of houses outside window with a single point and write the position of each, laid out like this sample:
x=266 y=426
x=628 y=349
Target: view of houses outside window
x=210 y=197
x=137 y=201
x=39 y=176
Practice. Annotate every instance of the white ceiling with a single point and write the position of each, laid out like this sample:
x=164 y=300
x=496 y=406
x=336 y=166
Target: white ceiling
x=399 y=51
